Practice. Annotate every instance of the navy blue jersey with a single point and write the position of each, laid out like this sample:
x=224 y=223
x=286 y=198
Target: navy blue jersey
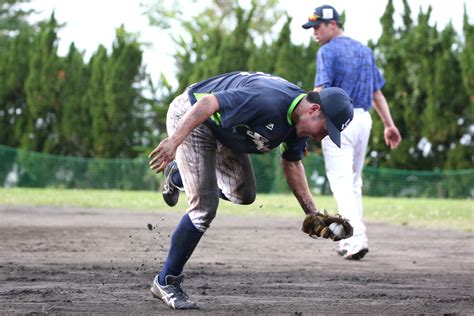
x=255 y=112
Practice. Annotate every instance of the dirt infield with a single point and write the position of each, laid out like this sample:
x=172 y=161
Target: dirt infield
x=69 y=260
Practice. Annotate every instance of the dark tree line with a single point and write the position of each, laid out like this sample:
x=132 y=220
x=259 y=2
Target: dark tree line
x=96 y=108
x=429 y=74
x=65 y=105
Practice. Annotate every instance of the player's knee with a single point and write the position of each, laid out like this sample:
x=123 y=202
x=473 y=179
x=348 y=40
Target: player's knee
x=246 y=194
x=202 y=220
x=203 y=212
x=248 y=198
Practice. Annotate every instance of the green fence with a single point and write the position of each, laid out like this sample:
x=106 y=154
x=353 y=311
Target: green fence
x=21 y=168
x=31 y=169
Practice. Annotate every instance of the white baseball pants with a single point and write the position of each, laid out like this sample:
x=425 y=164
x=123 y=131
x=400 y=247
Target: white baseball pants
x=344 y=170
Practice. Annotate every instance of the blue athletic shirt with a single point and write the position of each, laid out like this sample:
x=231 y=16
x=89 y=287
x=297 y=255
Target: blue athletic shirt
x=350 y=65
x=255 y=111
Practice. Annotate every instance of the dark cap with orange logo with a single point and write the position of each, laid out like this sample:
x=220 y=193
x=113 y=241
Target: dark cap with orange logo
x=321 y=14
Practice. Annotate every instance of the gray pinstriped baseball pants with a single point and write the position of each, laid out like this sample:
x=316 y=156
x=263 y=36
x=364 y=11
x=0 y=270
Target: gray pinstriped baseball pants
x=206 y=166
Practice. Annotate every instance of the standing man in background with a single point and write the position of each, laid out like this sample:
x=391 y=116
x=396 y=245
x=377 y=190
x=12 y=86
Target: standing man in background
x=345 y=63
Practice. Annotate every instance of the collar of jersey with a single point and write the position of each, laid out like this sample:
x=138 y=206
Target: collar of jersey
x=294 y=103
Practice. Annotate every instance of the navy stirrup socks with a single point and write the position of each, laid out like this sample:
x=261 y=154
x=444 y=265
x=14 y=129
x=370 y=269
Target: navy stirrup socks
x=183 y=242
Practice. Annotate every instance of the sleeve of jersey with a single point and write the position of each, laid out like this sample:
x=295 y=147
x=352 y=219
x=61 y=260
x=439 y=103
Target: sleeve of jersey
x=379 y=80
x=293 y=148
x=324 y=74
x=237 y=106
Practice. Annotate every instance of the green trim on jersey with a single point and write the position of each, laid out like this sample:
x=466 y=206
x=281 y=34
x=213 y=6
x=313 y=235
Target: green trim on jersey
x=216 y=117
x=292 y=107
x=199 y=96
x=283 y=147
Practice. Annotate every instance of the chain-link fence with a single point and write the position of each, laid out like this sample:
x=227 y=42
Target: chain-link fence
x=21 y=168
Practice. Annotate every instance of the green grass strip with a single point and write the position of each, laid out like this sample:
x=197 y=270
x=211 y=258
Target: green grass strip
x=418 y=212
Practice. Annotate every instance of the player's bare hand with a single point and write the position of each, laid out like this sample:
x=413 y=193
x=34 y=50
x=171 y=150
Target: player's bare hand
x=392 y=137
x=162 y=155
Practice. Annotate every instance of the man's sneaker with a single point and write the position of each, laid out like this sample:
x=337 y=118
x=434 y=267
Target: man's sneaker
x=172 y=293
x=354 y=248
x=170 y=190
x=356 y=256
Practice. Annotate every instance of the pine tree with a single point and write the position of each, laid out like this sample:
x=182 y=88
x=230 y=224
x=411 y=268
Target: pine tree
x=446 y=100
x=76 y=138
x=38 y=129
x=126 y=74
x=234 y=52
x=467 y=60
x=417 y=61
x=407 y=20
x=15 y=46
x=14 y=68
x=95 y=98
x=461 y=152
x=117 y=115
x=296 y=63
x=390 y=53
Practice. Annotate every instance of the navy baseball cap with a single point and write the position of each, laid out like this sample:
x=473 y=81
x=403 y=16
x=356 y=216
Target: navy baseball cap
x=320 y=14
x=339 y=111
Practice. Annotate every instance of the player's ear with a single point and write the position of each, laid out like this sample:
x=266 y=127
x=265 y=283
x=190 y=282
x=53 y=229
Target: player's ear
x=315 y=107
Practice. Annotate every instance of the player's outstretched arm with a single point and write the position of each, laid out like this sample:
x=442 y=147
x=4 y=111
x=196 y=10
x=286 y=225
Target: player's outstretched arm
x=296 y=178
x=316 y=223
x=166 y=150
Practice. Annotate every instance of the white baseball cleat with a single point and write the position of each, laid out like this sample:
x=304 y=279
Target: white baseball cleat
x=172 y=294
x=353 y=248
